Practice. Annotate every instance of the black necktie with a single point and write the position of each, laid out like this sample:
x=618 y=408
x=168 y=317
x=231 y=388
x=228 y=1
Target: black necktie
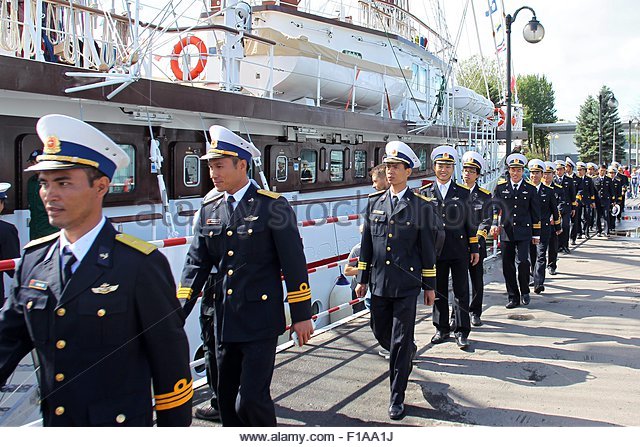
x=67 y=259
x=230 y=201
x=515 y=187
x=394 y=202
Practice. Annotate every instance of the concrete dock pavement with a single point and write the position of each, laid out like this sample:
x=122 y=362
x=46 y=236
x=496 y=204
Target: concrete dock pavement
x=570 y=358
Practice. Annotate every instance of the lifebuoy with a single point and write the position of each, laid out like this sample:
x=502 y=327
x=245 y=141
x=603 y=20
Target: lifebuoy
x=501 y=115
x=202 y=59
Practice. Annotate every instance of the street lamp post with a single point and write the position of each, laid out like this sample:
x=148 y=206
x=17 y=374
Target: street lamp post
x=612 y=103
x=533 y=32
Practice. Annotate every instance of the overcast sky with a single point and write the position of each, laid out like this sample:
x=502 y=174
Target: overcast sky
x=587 y=44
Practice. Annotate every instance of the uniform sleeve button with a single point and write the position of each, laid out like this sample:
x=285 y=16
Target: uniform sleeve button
x=264 y=297
x=121 y=418
x=102 y=313
x=59 y=411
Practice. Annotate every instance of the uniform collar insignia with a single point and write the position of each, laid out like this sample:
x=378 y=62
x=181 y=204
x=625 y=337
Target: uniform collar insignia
x=38 y=285
x=105 y=288
x=104 y=255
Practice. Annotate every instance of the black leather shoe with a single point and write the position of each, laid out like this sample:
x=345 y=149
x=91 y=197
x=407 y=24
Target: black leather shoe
x=475 y=320
x=461 y=340
x=530 y=283
x=552 y=270
x=512 y=304
x=439 y=337
x=579 y=237
x=526 y=299
x=208 y=413
x=396 y=411
x=538 y=289
x=573 y=242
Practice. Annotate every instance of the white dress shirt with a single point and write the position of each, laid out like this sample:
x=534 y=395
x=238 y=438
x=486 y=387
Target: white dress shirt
x=82 y=246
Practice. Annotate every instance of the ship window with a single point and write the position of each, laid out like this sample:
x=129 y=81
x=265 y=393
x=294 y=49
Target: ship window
x=124 y=179
x=281 y=168
x=423 y=159
x=414 y=76
x=360 y=163
x=337 y=166
x=191 y=164
x=352 y=53
x=309 y=166
x=347 y=156
x=378 y=155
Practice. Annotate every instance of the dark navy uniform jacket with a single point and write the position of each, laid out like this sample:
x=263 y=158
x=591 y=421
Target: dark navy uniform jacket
x=481 y=215
x=605 y=192
x=114 y=330
x=618 y=187
x=585 y=191
x=397 y=251
x=455 y=211
x=550 y=219
x=520 y=211
x=250 y=249
x=567 y=201
x=624 y=183
x=9 y=249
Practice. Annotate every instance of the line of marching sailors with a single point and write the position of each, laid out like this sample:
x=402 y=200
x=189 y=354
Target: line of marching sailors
x=99 y=308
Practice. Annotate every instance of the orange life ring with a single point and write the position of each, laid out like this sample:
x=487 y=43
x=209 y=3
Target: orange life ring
x=202 y=59
x=501 y=115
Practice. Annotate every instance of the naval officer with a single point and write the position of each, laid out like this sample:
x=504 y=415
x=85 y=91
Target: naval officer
x=585 y=196
x=518 y=204
x=397 y=260
x=453 y=206
x=548 y=177
x=549 y=220
x=250 y=236
x=567 y=204
x=98 y=307
x=9 y=241
x=481 y=215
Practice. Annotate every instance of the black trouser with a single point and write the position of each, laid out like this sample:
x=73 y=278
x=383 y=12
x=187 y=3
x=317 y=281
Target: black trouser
x=563 y=239
x=392 y=322
x=476 y=273
x=622 y=202
x=244 y=380
x=515 y=256
x=576 y=222
x=612 y=219
x=538 y=256
x=552 y=250
x=602 y=213
x=460 y=278
x=207 y=334
x=587 y=219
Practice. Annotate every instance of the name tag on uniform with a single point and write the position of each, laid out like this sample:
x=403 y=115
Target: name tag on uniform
x=378 y=212
x=214 y=221
x=38 y=285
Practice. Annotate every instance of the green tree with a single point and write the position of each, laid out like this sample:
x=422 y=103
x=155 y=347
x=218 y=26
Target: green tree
x=538 y=99
x=587 y=130
x=586 y=137
x=470 y=75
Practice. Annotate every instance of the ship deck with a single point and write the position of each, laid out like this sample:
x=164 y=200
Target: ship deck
x=570 y=358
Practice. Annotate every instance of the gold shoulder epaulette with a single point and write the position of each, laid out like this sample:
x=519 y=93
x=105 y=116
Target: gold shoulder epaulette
x=42 y=240
x=502 y=181
x=462 y=185
x=134 y=242
x=530 y=182
x=558 y=185
x=486 y=191
x=377 y=193
x=265 y=192
x=426 y=199
x=213 y=198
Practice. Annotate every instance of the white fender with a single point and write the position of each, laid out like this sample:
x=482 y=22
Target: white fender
x=340 y=294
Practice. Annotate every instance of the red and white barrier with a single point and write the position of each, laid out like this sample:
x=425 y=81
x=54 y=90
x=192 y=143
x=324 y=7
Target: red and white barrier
x=328 y=220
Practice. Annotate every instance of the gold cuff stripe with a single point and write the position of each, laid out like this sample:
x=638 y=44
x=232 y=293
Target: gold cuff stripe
x=297 y=294
x=298 y=299
x=537 y=226
x=185 y=293
x=176 y=403
x=473 y=240
x=178 y=389
x=558 y=222
x=482 y=233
